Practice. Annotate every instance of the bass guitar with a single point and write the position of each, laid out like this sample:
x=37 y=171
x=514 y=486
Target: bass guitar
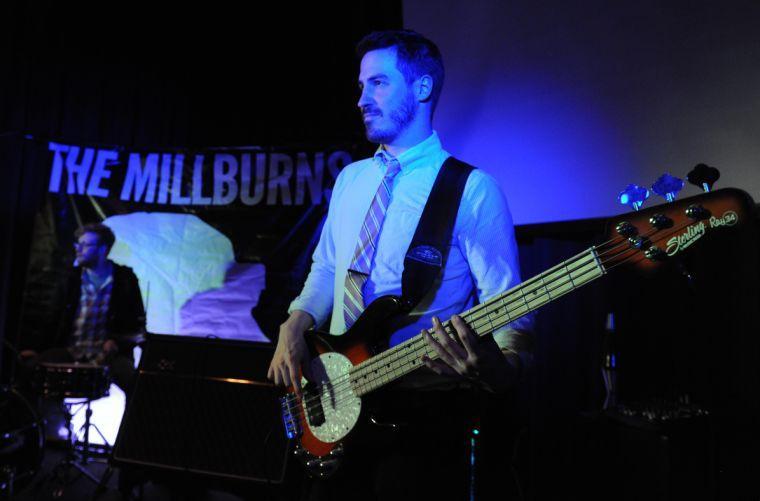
x=354 y=364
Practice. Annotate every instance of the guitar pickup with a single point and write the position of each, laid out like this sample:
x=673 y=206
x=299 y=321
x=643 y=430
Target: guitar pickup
x=315 y=413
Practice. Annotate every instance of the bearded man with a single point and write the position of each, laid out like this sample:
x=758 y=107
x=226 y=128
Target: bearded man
x=102 y=316
x=400 y=81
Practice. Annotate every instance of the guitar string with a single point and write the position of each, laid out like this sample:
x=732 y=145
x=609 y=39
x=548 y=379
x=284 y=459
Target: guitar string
x=406 y=361
x=338 y=389
x=471 y=317
x=500 y=320
x=339 y=385
x=340 y=394
x=336 y=386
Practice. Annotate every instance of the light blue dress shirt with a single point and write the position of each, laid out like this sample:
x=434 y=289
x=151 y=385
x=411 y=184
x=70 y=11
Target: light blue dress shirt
x=482 y=260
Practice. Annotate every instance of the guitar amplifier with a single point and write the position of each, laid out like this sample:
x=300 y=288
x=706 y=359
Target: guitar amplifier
x=203 y=407
x=658 y=451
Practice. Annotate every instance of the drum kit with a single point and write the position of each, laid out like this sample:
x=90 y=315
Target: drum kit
x=22 y=430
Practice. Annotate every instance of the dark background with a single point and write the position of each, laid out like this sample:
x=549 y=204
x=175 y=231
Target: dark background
x=145 y=76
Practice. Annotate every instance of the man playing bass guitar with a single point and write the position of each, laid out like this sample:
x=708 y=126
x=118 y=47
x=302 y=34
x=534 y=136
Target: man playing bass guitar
x=375 y=208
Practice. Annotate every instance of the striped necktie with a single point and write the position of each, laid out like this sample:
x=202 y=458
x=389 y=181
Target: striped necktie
x=358 y=271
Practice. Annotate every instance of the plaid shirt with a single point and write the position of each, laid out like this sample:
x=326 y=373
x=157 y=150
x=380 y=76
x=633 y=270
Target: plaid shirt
x=89 y=331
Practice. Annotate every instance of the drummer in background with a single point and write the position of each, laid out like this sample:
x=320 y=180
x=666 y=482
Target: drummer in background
x=103 y=312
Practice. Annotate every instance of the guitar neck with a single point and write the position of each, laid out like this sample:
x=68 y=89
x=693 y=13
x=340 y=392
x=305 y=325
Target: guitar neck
x=483 y=319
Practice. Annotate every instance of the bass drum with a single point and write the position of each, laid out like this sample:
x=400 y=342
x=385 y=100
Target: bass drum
x=22 y=442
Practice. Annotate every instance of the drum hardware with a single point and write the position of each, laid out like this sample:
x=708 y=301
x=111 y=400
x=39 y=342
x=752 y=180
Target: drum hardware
x=22 y=442
x=83 y=445
x=83 y=381
x=79 y=454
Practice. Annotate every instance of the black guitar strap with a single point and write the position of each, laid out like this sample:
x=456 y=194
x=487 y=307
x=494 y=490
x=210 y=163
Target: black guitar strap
x=429 y=248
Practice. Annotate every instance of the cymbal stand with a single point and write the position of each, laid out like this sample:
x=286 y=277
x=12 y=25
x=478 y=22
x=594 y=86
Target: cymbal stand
x=77 y=458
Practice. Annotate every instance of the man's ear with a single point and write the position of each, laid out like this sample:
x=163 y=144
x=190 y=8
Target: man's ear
x=424 y=88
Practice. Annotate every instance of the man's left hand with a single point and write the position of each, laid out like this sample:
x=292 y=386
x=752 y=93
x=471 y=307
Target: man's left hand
x=476 y=359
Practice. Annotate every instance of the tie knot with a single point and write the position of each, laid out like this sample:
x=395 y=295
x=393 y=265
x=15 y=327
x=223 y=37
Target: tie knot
x=392 y=168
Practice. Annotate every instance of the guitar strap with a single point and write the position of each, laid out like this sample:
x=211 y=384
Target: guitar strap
x=427 y=253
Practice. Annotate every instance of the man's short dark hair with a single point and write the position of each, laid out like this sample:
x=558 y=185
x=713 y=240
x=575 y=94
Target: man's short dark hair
x=104 y=233
x=415 y=55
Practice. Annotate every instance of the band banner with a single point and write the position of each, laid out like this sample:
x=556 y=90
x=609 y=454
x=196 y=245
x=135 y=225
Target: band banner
x=219 y=238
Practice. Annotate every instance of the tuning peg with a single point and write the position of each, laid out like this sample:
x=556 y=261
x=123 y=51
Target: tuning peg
x=637 y=242
x=668 y=186
x=703 y=176
x=633 y=195
x=654 y=253
x=660 y=221
x=626 y=229
x=697 y=212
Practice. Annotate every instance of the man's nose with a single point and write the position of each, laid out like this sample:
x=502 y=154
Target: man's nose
x=364 y=99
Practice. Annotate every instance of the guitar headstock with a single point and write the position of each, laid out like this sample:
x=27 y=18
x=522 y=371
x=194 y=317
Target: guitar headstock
x=650 y=236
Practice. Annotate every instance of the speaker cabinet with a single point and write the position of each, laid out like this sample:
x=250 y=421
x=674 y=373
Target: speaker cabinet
x=203 y=406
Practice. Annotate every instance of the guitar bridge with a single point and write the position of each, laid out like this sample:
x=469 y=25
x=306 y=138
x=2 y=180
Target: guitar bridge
x=289 y=407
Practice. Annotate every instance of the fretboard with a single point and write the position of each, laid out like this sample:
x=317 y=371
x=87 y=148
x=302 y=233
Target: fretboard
x=483 y=319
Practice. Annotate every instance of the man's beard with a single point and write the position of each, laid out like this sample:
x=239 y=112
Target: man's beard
x=401 y=117
x=85 y=262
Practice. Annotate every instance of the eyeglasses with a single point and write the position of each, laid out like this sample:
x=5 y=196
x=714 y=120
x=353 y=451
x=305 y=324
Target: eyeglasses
x=79 y=245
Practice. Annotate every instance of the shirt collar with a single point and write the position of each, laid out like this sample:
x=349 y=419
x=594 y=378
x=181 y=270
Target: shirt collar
x=87 y=279
x=413 y=157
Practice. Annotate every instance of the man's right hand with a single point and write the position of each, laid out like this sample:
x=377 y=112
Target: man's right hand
x=291 y=355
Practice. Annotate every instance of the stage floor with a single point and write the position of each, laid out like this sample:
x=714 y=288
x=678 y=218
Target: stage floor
x=46 y=485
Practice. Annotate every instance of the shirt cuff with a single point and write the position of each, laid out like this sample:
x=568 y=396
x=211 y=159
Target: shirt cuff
x=299 y=304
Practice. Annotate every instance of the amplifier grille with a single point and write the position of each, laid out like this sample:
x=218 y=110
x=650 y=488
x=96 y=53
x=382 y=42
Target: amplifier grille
x=222 y=427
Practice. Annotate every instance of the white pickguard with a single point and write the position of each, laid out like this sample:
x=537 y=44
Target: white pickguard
x=340 y=404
